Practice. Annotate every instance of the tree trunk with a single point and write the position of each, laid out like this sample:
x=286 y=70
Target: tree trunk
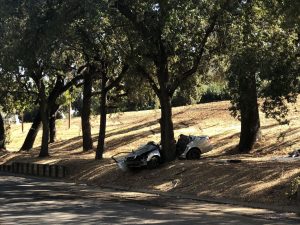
x=103 y=112
x=35 y=127
x=86 y=113
x=168 y=142
x=45 y=121
x=52 y=122
x=2 y=133
x=45 y=137
x=166 y=126
x=32 y=133
x=31 y=136
x=250 y=123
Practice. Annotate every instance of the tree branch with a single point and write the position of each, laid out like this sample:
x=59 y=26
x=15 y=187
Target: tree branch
x=127 y=12
x=209 y=30
x=115 y=82
x=75 y=79
x=147 y=76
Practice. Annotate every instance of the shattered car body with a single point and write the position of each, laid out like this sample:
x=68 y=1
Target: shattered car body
x=191 y=147
x=145 y=156
x=149 y=155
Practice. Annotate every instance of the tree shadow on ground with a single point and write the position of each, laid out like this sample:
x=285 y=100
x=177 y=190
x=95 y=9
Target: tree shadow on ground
x=209 y=179
x=284 y=140
x=117 y=138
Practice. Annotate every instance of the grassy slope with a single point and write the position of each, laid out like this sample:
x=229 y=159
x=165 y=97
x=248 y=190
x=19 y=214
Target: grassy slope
x=128 y=130
x=254 y=180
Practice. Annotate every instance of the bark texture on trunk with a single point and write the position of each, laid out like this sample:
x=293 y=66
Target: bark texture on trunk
x=2 y=133
x=32 y=133
x=167 y=130
x=52 y=122
x=45 y=137
x=86 y=113
x=250 y=122
x=44 y=152
x=37 y=122
x=102 y=130
x=105 y=88
x=165 y=97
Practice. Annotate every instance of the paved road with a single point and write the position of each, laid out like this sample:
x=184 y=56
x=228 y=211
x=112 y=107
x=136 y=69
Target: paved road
x=40 y=201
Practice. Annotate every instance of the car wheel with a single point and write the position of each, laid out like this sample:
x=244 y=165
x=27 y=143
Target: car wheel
x=193 y=153
x=153 y=162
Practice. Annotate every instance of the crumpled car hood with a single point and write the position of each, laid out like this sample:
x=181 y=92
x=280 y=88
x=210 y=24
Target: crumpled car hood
x=143 y=149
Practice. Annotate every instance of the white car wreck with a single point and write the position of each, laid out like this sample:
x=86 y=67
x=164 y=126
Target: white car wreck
x=145 y=156
x=191 y=147
x=149 y=155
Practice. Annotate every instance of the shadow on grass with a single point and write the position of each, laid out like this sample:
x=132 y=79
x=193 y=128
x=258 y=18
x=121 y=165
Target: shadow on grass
x=247 y=181
x=116 y=141
x=283 y=140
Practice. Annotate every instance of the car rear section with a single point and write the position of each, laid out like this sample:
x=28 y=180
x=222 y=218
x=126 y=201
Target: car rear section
x=191 y=147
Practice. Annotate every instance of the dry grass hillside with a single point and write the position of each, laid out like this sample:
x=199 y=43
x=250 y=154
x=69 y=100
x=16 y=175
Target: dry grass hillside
x=126 y=131
x=262 y=176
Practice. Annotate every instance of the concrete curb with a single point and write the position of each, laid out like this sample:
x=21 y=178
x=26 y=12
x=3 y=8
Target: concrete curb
x=33 y=169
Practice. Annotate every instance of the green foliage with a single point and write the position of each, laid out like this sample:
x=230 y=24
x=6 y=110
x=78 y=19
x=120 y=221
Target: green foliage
x=262 y=45
x=290 y=10
x=215 y=92
x=180 y=32
x=69 y=96
x=243 y=66
x=179 y=49
x=139 y=94
x=280 y=72
x=189 y=92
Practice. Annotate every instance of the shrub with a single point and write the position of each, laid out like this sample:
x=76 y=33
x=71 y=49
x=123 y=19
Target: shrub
x=215 y=92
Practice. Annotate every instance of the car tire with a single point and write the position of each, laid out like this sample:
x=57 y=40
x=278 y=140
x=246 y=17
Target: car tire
x=153 y=162
x=193 y=153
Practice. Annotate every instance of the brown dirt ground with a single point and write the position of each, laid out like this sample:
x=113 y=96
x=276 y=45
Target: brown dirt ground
x=261 y=177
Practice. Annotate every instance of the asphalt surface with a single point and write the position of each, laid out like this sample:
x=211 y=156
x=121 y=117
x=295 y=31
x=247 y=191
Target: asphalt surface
x=44 y=201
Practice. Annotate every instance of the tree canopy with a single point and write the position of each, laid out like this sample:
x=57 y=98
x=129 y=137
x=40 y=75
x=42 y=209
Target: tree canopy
x=132 y=54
